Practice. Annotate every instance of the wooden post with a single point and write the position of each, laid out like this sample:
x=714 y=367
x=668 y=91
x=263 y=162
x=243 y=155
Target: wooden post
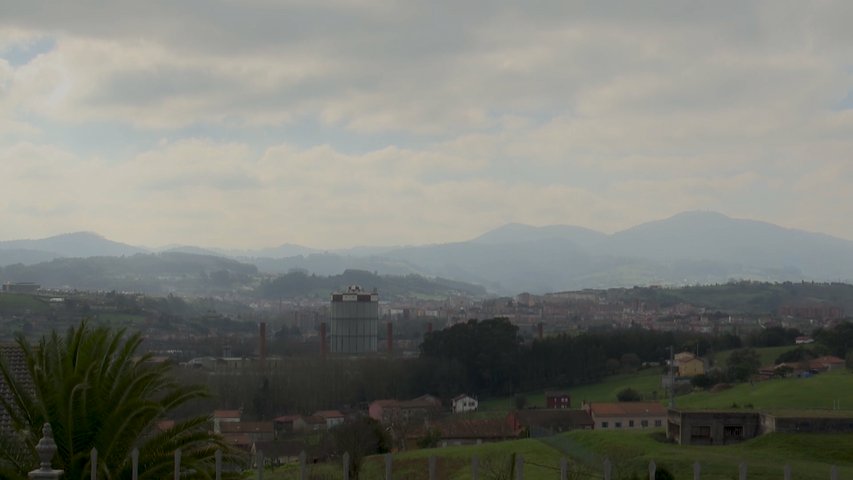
x=302 y=465
x=431 y=467
x=475 y=468
x=742 y=469
x=697 y=470
x=134 y=464
x=652 y=468
x=346 y=465
x=93 y=475
x=564 y=469
x=218 y=458
x=608 y=469
x=388 y=461
x=178 y=464
x=787 y=472
x=519 y=467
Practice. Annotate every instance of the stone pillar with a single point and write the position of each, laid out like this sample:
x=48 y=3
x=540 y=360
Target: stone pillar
x=46 y=449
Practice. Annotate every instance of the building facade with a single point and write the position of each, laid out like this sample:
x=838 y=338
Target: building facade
x=354 y=318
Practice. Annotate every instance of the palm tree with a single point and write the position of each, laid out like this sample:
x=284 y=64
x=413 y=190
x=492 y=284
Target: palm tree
x=96 y=391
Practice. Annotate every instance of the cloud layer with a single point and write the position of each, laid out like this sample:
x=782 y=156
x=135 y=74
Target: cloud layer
x=369 y=122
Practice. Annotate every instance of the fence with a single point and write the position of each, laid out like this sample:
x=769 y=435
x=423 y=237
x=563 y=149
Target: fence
x=46 y=449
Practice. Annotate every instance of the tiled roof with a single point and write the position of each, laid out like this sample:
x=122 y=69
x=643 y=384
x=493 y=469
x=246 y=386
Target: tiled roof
x=473 y=428
x=13 y=356
x=561 y=418
x=627 y=409
x=246 y=427
x=226 y=414
x=328 y=414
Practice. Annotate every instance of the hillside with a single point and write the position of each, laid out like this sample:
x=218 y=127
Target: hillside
x=685 y=249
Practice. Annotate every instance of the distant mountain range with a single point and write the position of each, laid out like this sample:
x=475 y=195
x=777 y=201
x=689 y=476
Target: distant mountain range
x=688 y=248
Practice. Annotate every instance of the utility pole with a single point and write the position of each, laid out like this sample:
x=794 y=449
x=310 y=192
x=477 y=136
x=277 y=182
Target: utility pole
x=671 y=377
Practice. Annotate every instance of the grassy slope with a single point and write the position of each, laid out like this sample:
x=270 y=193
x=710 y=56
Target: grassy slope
x=645 y=381
x=768 y=354
x=20 y=303
x=788 y=393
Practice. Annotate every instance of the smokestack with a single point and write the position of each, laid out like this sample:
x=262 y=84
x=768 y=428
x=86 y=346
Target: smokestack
x=390 y=336
x=429 y=327
x=541 y=330
x=323 y=339
x=262 y=342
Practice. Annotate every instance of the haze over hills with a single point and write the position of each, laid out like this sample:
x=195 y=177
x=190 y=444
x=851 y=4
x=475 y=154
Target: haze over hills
x=688 y=248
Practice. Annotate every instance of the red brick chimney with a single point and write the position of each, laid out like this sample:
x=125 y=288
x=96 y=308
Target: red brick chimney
x=262 y=342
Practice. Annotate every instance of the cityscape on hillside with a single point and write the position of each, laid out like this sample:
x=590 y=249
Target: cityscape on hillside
x=367 y=240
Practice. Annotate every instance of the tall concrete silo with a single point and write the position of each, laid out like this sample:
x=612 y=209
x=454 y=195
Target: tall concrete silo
x=354 y=318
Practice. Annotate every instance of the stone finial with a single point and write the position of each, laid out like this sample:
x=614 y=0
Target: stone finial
x=46 y=447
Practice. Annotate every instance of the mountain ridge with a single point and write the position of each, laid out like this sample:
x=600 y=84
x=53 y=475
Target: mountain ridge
x=686 y=248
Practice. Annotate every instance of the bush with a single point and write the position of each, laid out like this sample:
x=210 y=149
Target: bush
x=628 y=395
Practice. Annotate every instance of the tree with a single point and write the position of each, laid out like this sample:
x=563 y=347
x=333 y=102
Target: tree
x=360 y=438
x=742 y=363
x=628 y=395
x=96 y=391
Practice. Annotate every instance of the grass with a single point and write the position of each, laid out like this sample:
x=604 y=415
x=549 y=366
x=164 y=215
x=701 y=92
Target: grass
x=818 y=391
x=22 y=303
x=809 y=455
x=768 y=354
x=646 y=381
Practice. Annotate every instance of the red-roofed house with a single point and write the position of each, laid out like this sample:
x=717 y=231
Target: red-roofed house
x=256 y=431
x=333 y=418
x=558 y=400
x=224 y=416
x=826 y=363
x=463 y=403
x=626 y=415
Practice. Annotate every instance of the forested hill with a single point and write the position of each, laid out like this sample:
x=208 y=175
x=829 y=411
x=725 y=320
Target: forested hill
x=301 y=284
x=148 y=273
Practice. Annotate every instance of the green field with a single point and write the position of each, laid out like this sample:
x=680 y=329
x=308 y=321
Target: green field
x=646 y=381
x=768 y=355
x=809 y=455
x=818 y=391
x=12 y=303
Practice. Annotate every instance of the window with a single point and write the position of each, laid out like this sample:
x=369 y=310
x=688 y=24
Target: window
x=618 y=425
x=658 y=423
x=733 y=432
x=631 y=423
x=603 y=424
x=644 y=423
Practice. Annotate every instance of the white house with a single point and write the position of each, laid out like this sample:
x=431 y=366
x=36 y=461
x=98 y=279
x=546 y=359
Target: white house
x=463 y=403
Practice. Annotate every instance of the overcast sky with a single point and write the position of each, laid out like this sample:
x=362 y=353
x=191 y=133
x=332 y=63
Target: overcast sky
x=352 y=122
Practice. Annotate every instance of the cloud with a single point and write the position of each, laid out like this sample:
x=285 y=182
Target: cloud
x=365 y=121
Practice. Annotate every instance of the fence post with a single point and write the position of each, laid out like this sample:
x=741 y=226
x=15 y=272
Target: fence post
x=432 y=467
x=46 y=449
x=564 y=468
x=787 y=472
x=608 y=468
x=134 y=464
x=260 y=465
x=742 y=469
x=697 y=470
x=218 y=459
x=93 y=475
x=475 y=468
x=652 y=468
x=833 y=473
x=346 y=465
x=178 y=464
x=519 y=467
x=302 y=465
x=388 y=466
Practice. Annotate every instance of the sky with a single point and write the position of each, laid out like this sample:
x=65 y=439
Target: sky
x=252 y=123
